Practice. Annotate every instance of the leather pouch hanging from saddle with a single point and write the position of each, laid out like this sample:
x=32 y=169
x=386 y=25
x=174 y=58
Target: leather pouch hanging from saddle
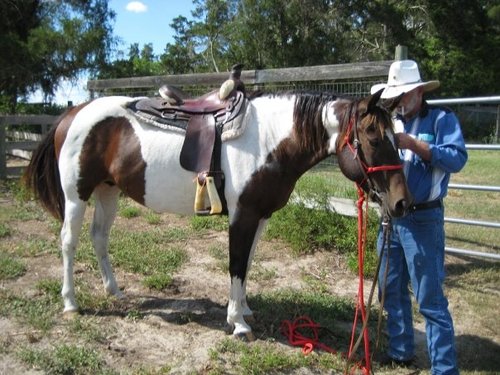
x=196 y=153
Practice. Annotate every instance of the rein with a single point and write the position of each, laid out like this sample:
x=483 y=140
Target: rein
x=361 y=308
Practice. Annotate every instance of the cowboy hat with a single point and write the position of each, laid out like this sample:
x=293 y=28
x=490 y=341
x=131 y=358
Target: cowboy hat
x=403 y=77
x=377 y=87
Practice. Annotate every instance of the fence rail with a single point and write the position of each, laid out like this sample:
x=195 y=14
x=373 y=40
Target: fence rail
x=22 y=142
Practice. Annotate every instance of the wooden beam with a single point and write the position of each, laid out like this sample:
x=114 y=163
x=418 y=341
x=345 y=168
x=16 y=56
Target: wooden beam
x=251 y=77
x=27 y=119
x=324 y=72
x=248 y=76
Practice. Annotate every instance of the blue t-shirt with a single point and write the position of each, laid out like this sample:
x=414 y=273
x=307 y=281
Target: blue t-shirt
x=440 y=128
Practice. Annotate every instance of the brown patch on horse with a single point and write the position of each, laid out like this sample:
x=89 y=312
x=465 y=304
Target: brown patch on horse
x=111 y=154
x=306 y=146
x=63 y=124
x=41 y=176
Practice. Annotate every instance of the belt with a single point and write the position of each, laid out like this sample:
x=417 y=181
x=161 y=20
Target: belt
x=438 y=203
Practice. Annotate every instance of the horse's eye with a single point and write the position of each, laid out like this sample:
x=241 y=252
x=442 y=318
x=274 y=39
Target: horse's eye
x=371 y=129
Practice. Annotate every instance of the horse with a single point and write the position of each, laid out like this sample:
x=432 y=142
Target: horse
x=102 y=149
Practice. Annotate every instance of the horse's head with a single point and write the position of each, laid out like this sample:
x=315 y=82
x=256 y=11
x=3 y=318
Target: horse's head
x=367 y=154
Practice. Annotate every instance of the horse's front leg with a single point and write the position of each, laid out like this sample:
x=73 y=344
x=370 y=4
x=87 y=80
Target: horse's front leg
x=244 y=232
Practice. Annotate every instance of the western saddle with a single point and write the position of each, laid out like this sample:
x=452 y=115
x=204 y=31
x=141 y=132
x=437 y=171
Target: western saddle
x=203 y=119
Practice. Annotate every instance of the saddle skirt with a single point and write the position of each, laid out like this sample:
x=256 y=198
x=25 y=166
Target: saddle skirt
x=227 y=114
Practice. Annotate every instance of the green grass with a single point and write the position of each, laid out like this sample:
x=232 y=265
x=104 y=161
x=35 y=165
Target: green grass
x=65 y=359
x=333 y=314
x=482 y=168
x=39 y=312
x=10 y=267
x=4 y=230
x=217 y=223
x=157 y=251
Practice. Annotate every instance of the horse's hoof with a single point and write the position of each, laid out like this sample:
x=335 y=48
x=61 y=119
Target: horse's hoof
x=245 y=336
x=228 y=328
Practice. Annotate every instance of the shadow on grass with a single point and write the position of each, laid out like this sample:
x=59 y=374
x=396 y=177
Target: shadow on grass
x=333 y=314
x=477 y=354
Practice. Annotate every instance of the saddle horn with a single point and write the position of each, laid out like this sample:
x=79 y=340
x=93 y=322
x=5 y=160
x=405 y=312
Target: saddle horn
x=234 y=83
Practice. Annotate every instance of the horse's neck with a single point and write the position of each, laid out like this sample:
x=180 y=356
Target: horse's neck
x=275 y=123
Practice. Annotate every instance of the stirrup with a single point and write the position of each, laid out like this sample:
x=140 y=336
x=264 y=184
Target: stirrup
x=208 y=186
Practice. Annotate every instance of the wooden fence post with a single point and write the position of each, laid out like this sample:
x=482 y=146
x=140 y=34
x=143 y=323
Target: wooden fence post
x=401 y=53
x=3 y=152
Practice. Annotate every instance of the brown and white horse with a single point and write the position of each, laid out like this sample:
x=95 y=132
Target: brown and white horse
x=100 y=148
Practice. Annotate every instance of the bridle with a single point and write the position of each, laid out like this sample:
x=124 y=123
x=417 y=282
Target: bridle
x=367 y=171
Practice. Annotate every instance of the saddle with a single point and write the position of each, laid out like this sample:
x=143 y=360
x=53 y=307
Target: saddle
x=202 y=119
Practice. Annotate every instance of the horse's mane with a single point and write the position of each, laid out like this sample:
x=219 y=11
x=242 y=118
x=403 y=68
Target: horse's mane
x=308 y=119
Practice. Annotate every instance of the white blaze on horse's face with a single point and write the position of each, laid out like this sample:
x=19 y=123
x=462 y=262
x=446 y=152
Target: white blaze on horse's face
x=331 y=123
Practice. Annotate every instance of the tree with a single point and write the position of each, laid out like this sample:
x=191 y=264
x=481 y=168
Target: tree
x=44 y=42
x=180 y=57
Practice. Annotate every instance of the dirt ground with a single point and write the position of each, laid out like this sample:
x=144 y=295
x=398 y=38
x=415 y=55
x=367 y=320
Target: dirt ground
x=180 y=325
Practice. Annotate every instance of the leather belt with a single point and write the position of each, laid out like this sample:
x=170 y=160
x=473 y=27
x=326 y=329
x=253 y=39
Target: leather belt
x=426 y=205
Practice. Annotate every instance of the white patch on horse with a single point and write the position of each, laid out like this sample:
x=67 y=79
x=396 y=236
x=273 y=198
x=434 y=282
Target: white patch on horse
x=269 y=122
x=390 y=135
x=332 y=125
x=164 y=176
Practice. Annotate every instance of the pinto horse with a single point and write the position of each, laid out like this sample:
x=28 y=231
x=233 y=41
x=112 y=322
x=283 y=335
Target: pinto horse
x=101 y=148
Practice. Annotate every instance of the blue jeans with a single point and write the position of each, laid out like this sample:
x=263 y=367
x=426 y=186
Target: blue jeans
x=416 y=256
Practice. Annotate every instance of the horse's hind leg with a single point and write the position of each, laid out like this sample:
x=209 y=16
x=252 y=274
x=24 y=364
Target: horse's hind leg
x=106 y=205
x=73 y=218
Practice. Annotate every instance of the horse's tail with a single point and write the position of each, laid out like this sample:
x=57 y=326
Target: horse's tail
x=42 y=176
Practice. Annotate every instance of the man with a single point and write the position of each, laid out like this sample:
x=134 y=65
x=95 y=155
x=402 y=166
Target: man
x=432 y=147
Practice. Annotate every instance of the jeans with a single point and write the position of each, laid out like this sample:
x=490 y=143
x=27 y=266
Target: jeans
x=416 y=256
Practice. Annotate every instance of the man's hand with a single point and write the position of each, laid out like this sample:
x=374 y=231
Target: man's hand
x=405 y=141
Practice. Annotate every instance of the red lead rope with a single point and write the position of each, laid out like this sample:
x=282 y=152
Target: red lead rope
x=360 y=305
x=294 y=331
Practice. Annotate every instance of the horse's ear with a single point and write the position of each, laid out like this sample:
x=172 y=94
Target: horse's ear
x=391 y=104
x=369 y=102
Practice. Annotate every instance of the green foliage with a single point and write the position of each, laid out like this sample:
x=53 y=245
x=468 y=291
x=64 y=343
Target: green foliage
x=307 y=230
x=38 y=312
x=129 y=212
x=10 y=267
x=46 y=41
x=267 y=34
x=4 y=230
x=145 y=253
x=65 y=359
x=217 y=223
x=158 y=281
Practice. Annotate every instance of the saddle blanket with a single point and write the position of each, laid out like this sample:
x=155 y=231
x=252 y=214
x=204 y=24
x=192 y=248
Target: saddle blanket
x=153 y=112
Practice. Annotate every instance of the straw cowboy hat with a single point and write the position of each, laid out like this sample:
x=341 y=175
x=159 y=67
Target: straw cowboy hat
x=403 y=77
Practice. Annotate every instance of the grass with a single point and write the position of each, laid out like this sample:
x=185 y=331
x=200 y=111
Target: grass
x=481 y=169
x=65 y=359
x=10 y=267
x=157 y=251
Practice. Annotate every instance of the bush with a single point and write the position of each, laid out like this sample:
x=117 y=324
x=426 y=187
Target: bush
x=307 y=230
